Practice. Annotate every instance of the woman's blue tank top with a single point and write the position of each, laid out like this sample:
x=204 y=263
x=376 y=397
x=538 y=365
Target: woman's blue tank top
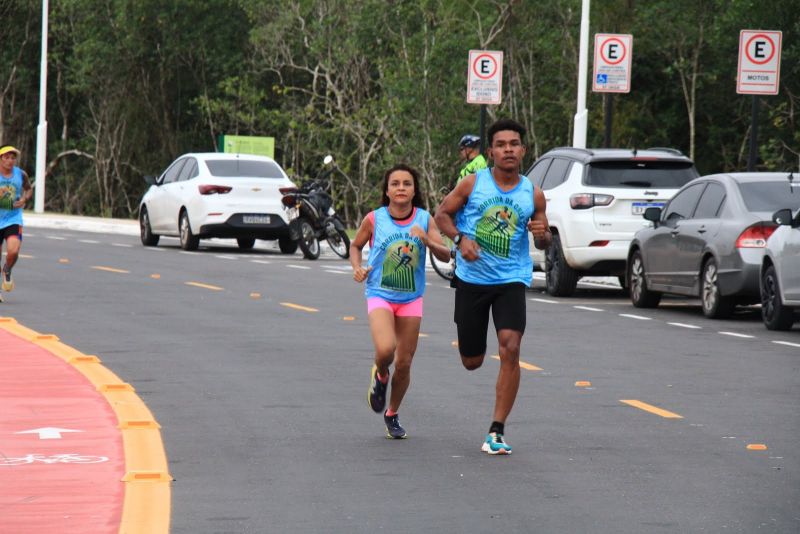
x=497 y=220
x=397 y=258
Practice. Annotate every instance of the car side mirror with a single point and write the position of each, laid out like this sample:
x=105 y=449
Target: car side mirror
x=782 y=217
x=653 y=215
x=150 y=179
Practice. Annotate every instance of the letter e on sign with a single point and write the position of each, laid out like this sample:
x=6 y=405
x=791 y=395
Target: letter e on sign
x=485 y=77
x=759 y=62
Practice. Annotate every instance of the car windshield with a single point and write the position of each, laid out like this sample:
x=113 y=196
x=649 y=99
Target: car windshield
x=640 y=173
x=244 y=168
x=770 y=196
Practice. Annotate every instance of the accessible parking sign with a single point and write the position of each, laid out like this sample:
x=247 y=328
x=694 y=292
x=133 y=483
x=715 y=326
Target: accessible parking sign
x=612 y=63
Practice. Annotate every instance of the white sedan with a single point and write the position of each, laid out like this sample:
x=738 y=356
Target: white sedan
x=204 y=195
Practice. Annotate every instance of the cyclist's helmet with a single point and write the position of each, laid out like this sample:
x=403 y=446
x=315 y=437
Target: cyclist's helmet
x=469 y=140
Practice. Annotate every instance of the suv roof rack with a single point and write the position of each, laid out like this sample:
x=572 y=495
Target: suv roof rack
x=584 y=150
x=667 y=149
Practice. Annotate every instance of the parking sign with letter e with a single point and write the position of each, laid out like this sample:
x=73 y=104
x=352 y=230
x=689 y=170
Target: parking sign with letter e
x=759 y=62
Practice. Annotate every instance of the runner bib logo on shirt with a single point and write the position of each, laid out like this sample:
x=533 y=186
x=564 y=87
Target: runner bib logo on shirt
x=8 y=195
x=401 y=261
x=495 y=229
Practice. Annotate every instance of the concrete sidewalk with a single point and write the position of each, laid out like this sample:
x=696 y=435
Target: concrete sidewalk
x=80 y=223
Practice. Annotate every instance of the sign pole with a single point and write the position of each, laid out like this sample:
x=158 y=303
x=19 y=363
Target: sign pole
x=41 y=130
x=582 y=114
x=751 y=160
x=608 y=101
x=483 y=128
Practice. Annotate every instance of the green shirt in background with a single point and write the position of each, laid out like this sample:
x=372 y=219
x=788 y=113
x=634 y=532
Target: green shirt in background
x=477 y=163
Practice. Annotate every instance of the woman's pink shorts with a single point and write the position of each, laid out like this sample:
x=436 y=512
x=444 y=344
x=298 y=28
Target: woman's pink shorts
x=408 y=309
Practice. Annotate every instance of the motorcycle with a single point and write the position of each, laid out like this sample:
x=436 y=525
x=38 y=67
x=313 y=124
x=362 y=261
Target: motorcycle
x=312 y=217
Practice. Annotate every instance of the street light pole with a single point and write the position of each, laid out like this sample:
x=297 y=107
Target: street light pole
x=582 y=115
x=41 y=130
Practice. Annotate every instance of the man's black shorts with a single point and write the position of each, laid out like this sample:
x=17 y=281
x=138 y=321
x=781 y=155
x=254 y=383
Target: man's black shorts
x=14 y=230
x=473 y=302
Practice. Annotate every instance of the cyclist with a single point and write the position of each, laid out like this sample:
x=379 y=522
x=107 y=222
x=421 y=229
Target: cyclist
x=469 y=150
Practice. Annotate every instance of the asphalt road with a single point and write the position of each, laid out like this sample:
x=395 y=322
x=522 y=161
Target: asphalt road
x=256 y=366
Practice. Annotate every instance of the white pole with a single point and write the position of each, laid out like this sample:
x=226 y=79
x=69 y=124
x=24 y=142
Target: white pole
x=582 y=115
x=41 y=130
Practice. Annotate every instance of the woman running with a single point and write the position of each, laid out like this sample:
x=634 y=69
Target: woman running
x=398 y=234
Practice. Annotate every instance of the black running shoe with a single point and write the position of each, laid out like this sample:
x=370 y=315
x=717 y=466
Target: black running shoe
x=376 y=396
x=393 y=428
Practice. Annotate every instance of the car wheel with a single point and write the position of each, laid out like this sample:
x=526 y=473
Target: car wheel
x=149 y=239
x=287 y=246
x=641 y=297
x=189 y=241
x=715 y=306
x=776 y=316
x=308 y=241
x=246 y=243
x=561 y=279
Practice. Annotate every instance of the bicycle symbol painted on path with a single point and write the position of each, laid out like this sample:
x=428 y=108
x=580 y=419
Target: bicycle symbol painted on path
x=68 y=458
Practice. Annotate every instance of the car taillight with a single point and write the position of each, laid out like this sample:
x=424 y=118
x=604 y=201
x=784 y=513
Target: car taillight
x=289 y=201
x=213 y=189
x=287 y=190
x=755 y=236
x=584 y=201
x=598 y=243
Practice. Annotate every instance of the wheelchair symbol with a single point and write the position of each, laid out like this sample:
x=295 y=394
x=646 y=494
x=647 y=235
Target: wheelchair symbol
x=602 y=78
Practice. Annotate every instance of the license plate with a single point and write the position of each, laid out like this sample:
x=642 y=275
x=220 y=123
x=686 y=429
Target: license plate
x=292 y=213
x=638 y=207
x=256 y=219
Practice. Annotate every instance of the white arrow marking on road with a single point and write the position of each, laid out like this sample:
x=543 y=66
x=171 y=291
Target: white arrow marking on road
x=48 y=432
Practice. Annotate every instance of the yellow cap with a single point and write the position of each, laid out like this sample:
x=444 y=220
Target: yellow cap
x=8 y=148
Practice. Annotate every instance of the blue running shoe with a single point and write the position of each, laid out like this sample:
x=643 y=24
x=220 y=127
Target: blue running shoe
x=393 y=428
x=495 y=444
x=376 y=396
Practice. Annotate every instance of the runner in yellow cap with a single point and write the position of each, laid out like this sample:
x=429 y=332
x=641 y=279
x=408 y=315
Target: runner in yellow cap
x=15 y=191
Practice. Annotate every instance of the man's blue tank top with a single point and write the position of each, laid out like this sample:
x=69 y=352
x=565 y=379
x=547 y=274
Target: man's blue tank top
x=497 y=220
x=397 y=258
x=10 y=191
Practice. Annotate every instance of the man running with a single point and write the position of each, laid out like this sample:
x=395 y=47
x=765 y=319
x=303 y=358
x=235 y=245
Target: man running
x=493 y=267
x=469 y=151
x=15 y=191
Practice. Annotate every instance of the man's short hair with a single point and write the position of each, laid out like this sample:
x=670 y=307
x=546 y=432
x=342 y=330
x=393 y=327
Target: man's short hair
x=506 y=124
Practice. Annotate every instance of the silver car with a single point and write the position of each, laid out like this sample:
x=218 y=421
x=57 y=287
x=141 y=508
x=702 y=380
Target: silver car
x=709 y=241
x=780 y=272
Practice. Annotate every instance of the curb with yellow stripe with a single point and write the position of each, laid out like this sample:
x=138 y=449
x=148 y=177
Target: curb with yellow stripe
x=147 y=502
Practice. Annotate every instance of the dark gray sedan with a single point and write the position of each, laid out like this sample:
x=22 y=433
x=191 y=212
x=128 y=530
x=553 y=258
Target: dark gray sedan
x=709 y=240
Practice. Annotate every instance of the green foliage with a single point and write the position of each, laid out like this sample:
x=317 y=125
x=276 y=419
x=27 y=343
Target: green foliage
x=132 y=85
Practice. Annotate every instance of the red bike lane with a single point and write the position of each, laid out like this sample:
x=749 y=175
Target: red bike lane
x=65 y=457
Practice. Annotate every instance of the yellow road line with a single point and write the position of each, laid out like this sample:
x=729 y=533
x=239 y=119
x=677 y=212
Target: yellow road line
x=146 y=506
x=652 y=409
x=298 y=307
x=205 y=286
x=523 y=365
x=110 y=269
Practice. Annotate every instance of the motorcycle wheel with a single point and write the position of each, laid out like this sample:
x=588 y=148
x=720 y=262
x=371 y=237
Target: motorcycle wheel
x=340 y=244
x=444 y=269
x=308 y=241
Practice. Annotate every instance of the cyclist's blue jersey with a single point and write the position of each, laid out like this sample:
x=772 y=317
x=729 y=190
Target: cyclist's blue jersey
x=10 y=191
x=497 y=220
x=396 y=257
